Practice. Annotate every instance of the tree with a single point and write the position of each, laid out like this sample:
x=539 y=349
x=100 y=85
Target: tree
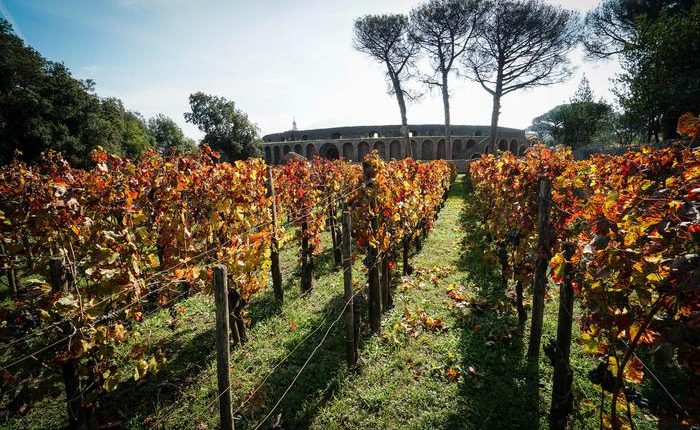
x=576 y=123
x=521 y=44
x=660 y=80
x=42 y=107
x=168 y=136
x=444 y=29
x=227 y=129
x=385 y=38
x=610 y=27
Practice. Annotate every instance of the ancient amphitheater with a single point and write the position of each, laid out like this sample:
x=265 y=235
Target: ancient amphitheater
x=427 y=142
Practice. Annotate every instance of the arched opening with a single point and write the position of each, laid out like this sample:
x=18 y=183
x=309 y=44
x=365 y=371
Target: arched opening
x=286 y=150
x=458 y=152
x=347 y=151
x=299 y=149
x=503 y=145
x=276 y=155
x=268 y=155
x=514 y=146
x=310 y=150
x=395 y=149
x=379 y=146
x=427 y=151
x=329 y=151
x=441 y=154
x=414 y=150
x=362 y=150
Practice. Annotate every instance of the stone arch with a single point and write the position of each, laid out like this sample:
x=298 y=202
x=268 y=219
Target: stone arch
x=395 y=149
x=310 y=150
x=458 y=150
x=414 y=150
x=503 y=145
x=348 y=152
x=286 y=149
x=362 y=150
x=268 y=155
x=330 y=151
x=276 y=155
x=299 y=149
x=441 y=150
x=513 y=146
x=379 y=146
x=427 y=150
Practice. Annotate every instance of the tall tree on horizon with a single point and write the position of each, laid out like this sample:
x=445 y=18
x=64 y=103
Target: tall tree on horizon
x=385 y=38
x=227 y=129
x=444 y=29
x=521 y=44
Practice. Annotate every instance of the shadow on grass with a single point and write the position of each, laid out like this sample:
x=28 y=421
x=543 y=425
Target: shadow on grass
x=186 y=361
x=491 y=343
x=315 y=385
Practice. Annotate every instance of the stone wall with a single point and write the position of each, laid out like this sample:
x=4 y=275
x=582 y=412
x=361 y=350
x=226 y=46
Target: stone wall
x=423 y=148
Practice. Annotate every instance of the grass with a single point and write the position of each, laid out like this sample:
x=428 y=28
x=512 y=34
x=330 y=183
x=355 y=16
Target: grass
x=468 y=372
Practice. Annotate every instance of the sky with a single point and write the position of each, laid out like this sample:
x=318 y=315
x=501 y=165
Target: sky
x=276 y=59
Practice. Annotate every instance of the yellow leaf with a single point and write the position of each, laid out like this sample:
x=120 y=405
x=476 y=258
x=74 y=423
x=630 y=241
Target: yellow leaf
x=153 y=260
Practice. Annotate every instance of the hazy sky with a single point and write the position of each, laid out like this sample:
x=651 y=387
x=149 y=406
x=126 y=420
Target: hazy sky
x=276 y=59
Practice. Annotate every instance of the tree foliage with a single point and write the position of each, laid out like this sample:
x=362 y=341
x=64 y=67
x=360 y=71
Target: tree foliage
x=576 y=123
x=227 y=129
x=168 y=136
x=42 y=107
x=661 y=78
x=610 y=27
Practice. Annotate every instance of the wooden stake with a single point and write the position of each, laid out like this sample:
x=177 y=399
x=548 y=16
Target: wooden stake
x=562 y=399
x=385 y=282
x=543 y=256
x=274 y=248
x=307 y=260
x=222 y=346
x=350 y=344
x=375 y=301
x=79 y=417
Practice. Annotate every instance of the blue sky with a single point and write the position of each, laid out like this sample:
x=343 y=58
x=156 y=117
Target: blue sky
x=276 y=59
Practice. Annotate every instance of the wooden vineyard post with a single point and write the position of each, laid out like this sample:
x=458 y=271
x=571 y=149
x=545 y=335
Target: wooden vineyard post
x=350 y=344
x=372 y=260
x=406 y=242
x=79 y=417
x=222 y=346
x=562 y=399
x=307 y=260
x=543 y=255
x=386 y=282
x=335 y=239
x=274 y=251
